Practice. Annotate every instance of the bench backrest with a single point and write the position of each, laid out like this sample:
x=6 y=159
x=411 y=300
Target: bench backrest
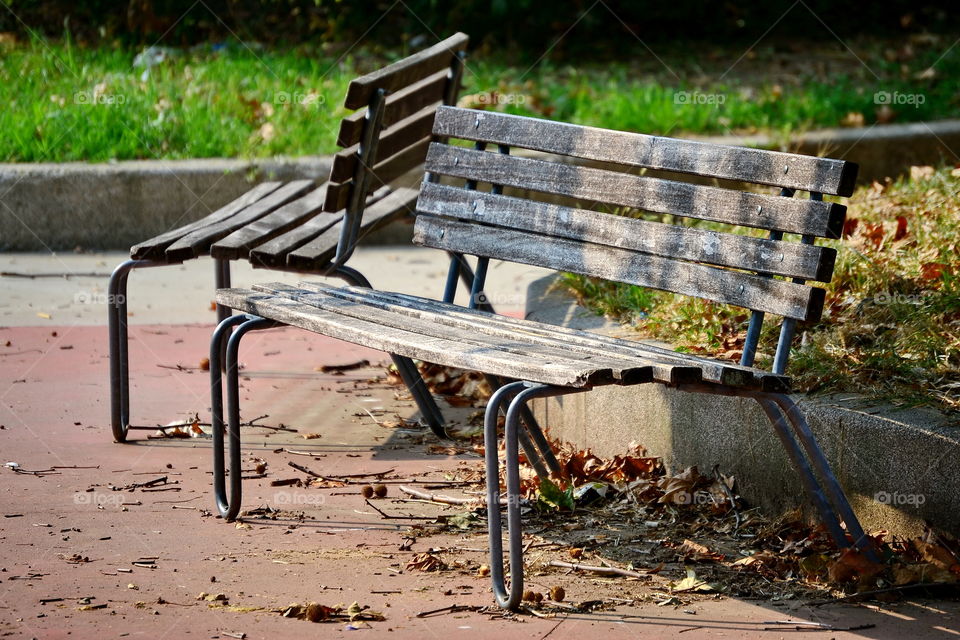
x=390 y=133
x=766 y=275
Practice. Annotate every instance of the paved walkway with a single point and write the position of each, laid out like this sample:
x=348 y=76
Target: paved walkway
x=67 y=535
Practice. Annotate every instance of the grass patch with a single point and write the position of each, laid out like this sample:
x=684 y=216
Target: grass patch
x=68 y=103
x=891 y=326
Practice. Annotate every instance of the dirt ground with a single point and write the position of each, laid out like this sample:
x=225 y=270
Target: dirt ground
x=87 y=553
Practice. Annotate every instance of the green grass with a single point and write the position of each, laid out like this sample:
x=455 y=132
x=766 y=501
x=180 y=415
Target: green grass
x=63 y=102
x=891 y=326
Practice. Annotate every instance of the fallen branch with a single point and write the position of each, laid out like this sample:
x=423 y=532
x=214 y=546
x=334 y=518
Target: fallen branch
x=610 y=571
x=453 y=608
x=432 y=497
x=350 y=366
x=390 y=517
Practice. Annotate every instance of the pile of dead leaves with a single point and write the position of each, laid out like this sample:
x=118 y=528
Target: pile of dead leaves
x=459 y=387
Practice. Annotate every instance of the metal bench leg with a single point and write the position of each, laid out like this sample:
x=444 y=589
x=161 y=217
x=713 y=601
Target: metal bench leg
x=494 y=522
x=807 y=477
x=229 y=508
x=511 y=434
x=537 y=449
x=405 y=367
x=221 y=280
x=117 y=341
x=834 y=491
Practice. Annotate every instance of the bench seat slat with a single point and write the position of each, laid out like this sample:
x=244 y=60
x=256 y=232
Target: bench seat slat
x=406 y=343
x=319 y=251
x=805 y=173
x=791 y=259
x=404 y=72
x=398 y=106
x=716 y=371
x=198 y=242
x=360 y=306
x=779 y=297
x=239 y=243
x=657 y=195
x=153 y=249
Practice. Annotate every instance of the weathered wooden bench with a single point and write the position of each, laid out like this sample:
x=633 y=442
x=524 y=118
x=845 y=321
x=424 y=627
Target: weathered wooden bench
x=299 y=226
x=537 y=223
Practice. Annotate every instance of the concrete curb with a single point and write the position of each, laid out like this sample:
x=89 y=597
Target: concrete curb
x=47 y=207
x=897 y=466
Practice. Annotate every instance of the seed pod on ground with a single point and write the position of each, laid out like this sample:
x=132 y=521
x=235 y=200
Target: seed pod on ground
x=366 y=491
x=380 y=490
x=529 y=596
x=557 y=594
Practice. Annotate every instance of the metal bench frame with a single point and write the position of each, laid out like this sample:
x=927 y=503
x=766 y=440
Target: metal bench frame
x=444 y=222
x=353 y=187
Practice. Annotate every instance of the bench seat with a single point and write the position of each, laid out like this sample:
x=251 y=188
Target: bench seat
x=455 y=336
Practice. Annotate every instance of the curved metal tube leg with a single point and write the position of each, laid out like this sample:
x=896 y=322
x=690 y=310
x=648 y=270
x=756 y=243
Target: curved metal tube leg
x=831 y=485
x=229 y=508
x=539 y=455
x=511 y=434
x=117 y=342
x=217 y=351
x=405 y=367
x=494 y=522
x=806 y=473
x=221 y=280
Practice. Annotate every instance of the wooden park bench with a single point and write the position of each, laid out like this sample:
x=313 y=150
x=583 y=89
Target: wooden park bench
x=299 y=226
x=556 y=215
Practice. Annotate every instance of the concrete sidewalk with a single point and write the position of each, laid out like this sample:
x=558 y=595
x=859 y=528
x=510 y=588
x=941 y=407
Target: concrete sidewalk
x=71 y=539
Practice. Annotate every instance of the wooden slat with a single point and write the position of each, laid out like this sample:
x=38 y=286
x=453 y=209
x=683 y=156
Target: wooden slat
x=362 y=307
x=273 y=254
x=433 y=313
x=725 y=373
x=399 y=105
x=385 y=172
x=406 y=343
x=197 y=242
x=779 y=297
x=805 y=173
x=239 y=243
x=405 y=72
x=791 y=259
x=791 y=215
x=392 y=141
x=319 y=251
x=153 y=249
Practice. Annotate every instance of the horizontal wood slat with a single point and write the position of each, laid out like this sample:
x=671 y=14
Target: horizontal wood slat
x=782 y=298
x=392 y=141
x=273 y=254
x=197 y=242
x=319 y=251
x=398 y=106
x=239 y=243
x=359 y=306
x=791 y=259
x=657 y=195
x=385 y=172
x=407 y=71
x=806 y=173
x=406 y=343
x=153 y=249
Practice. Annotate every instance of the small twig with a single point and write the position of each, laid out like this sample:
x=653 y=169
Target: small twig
x=74 y=466
x=613 y=571
x=301 y=453
x=438 y=498
x=350 y=366
x=453 y=608
x=390 y=517
x=176 y=501
x=300 y=467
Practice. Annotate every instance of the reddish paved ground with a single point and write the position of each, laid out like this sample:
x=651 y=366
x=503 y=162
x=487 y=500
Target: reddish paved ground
x=54 y=413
